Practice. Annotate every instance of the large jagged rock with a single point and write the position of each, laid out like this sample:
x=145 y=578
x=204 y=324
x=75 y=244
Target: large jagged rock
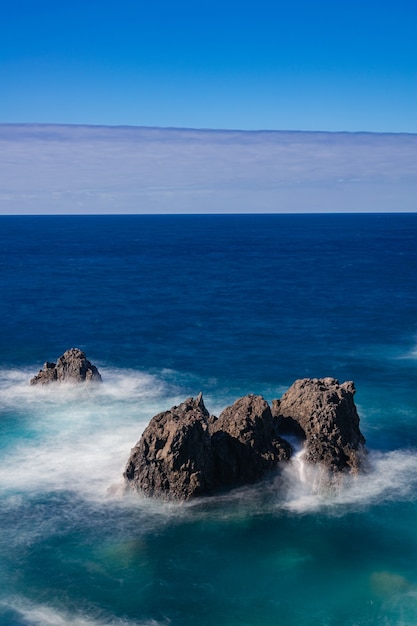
x=245 y=442
x=173 y=458
x=323 y=412
x=72 y=366
x=184 y=452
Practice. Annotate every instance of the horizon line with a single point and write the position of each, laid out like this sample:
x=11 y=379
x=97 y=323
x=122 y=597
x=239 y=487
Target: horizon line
x=202 y=129
x=228 y=214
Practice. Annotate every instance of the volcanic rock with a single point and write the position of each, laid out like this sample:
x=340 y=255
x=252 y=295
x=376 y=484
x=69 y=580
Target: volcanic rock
x=72 y=366
x=185 y=452
x=174 y=458
x=245 y=442
x=323 y=412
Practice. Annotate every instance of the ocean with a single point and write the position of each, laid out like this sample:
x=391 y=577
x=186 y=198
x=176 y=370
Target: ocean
x=166 y=307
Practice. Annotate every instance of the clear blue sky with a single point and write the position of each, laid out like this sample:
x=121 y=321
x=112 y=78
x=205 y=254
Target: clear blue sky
x=299 y=65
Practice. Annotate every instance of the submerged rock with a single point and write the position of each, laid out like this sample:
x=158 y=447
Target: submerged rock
x=72 y=366
x=323 y=412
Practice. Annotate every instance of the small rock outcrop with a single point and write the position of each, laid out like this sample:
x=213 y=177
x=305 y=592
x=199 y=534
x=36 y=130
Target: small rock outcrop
x=323 y=412
x=72 y=367
x=173 y=458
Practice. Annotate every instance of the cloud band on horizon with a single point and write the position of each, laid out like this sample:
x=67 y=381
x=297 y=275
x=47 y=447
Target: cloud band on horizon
x=61 y=169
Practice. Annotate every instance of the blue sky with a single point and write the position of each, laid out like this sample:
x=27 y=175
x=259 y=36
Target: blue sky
x=299 y=65
x=82 y=82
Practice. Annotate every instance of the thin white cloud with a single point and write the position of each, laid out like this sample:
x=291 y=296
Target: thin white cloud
x=94 y=169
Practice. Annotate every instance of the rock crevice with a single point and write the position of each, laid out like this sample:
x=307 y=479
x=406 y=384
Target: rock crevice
x=323 y=412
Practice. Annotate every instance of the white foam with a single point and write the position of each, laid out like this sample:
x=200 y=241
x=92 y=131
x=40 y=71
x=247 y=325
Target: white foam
x=390 y=476
x=77 y=437
x=412 y=354
x=118 y=384
x=44 y=615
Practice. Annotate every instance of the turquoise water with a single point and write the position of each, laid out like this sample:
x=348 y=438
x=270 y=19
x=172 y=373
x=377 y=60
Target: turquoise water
x=228 y=305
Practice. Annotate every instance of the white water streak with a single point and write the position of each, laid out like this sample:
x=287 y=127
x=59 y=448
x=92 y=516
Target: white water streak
x=390 y=476
x=76 y=437
x=79 y=439
x=44 y=615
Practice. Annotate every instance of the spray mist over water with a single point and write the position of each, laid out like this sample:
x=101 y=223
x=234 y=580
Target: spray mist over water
x=75 y=437
x=78 y=438
x=389 y=476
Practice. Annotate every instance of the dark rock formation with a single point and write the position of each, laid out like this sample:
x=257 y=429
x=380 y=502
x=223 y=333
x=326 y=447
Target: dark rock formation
x=72 y=366
x=245 y=442
x=173 y=458
x=323 y=412
x=184 y=452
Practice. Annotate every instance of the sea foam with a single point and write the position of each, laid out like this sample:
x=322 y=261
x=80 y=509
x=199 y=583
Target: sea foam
x=45 y=615
x=389 y=476
x=78 y=438
x=75 y=437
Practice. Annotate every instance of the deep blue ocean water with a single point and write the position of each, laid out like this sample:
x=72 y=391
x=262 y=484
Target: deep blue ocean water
x=166 y=307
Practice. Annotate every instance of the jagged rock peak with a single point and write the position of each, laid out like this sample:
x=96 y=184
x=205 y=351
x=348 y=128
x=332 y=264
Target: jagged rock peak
x=185 y=452
x=173 y=459
x=73 y=366
x=322 y=411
